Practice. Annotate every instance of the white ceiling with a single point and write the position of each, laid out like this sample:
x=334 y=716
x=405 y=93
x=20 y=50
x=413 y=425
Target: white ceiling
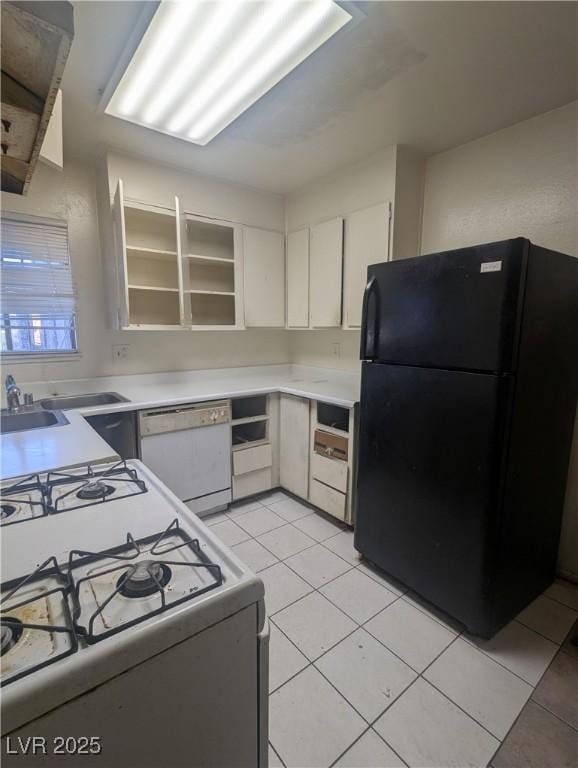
x=430 y=75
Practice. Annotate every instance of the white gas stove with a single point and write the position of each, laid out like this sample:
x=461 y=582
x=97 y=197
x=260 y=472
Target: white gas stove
x=104 y=574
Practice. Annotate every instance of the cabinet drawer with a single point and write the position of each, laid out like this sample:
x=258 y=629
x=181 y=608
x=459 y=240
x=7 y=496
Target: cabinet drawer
x=327 y=499
x=250 y=459
x=332 y=472
x=329 y=444
x=252 y=482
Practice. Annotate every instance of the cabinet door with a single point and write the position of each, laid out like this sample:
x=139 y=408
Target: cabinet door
x=366 y=242
x=325 y=270
x=264 y=278
x=298 y=279
x=294 y=444
x=121 y=267
x=181 y=222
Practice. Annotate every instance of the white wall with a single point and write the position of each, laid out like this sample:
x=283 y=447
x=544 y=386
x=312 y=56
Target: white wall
x=158 y=184
x=72 y=195
x=522 y=180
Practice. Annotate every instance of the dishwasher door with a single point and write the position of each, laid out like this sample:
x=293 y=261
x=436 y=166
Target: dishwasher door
x=194 y=463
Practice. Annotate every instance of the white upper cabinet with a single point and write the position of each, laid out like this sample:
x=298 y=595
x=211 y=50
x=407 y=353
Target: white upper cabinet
x=298 y=279
x=211 y=272
x=325 y=269
x=264 y=278
x=147 y=265
x=366 y=242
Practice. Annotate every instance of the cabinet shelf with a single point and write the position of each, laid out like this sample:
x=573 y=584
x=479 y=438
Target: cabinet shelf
x=153 y=253
x=249 y=420
x=217 y=261
x=156 y=306
x=249 y=444
x=249 y=434
x=210 y=293
x=134 y=287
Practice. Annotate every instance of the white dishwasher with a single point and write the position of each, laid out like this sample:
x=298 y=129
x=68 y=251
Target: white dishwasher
x=189 y=449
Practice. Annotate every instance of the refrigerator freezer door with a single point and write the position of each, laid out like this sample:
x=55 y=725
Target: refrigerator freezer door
x=430 y=457
x=460 y=309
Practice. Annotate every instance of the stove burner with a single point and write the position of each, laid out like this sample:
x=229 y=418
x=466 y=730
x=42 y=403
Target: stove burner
x=11 y=632
x=95 y=490
x=6 y=510
x=144 y=578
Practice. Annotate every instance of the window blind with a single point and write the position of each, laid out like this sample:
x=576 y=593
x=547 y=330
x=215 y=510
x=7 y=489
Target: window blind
x=38 y=295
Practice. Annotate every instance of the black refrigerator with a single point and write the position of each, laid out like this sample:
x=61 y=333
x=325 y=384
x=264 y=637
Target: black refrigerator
x=468 y=400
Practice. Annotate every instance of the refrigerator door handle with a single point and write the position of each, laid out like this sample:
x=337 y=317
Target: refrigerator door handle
x=368 y=350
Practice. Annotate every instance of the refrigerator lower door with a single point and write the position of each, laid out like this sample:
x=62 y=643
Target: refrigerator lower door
x=430 y=458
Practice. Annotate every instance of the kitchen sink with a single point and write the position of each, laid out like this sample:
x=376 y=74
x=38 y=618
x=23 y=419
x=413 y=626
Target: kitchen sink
x=20 y=421
x=68 y=402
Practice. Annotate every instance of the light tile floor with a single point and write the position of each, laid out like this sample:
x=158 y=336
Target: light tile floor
x=364 y=674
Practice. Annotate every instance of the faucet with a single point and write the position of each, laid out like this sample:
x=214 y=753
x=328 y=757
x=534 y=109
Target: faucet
x=12 y=394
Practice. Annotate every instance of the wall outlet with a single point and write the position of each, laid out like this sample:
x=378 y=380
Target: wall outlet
x=336 y=347
x=120 y=351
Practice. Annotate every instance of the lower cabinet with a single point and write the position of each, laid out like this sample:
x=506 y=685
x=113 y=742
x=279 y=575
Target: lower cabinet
x=332 y=465
x=254 y=444
x=294 y=445
x=304 y=446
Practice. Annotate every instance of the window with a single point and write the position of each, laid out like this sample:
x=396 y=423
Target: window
x=38 y=297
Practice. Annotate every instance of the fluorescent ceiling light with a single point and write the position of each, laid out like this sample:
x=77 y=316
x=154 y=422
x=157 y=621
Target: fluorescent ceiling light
x=202 y=63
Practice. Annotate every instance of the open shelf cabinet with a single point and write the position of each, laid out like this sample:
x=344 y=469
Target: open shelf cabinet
x=148 y=265
x=209 y=272
x=175 y=270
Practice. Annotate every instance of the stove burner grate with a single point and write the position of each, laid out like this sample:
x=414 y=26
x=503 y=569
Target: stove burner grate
x=140 y=579
x=92 y=487
x=144 y=579
x=6 y=511
x=12 y=628
x=95 y=490
x=11 y=632
x=22 y=501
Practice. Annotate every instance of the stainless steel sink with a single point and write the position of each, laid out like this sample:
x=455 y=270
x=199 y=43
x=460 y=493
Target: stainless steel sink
x=68 y=402
x=22 y=420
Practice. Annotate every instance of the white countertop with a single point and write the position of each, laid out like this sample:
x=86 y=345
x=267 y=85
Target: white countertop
x=40 y=450
x=77 y=443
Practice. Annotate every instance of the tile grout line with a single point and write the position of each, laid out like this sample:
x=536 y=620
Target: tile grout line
x=350 y=568
x=312 y=588
x=282 y=560
x=559 y=602
x=499 y=663
x=517 y=620
x=419 y=674
x=313 y=664
x=358 y=739
x=531 y=699
x=550 y=712
x=422 y=610
x=277 y=754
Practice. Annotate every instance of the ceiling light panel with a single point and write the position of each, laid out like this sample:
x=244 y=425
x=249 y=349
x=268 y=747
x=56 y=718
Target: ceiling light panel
x=202 y=63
